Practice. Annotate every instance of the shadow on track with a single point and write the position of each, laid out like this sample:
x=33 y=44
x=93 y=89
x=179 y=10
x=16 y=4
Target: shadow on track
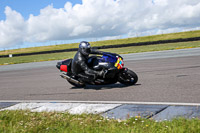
x=103 y=87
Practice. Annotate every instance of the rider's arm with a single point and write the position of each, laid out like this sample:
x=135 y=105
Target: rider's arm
x=94 y=51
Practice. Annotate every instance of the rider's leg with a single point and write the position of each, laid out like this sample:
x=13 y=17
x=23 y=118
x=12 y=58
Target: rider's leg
x=86 y=77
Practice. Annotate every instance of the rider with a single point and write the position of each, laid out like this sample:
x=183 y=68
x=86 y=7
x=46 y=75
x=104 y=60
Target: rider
x=79 y=65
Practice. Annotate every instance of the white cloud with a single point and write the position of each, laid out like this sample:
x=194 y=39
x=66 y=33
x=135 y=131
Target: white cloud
x=12 y=30
x=100 y=18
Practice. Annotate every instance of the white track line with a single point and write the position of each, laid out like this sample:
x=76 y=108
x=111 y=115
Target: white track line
x=72 y=108
x=103 y=102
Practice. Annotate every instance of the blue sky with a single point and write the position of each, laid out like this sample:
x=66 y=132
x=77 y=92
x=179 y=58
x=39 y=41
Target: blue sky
x=29 y=23
x=27 y=7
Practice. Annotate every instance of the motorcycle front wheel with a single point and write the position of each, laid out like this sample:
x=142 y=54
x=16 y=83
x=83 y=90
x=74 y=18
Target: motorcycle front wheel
x=128 y=77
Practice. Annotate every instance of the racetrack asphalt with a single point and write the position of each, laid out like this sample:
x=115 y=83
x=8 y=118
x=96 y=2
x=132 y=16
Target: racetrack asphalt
x=167 y=76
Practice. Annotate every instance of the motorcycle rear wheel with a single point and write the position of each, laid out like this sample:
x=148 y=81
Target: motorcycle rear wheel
x=128 y=77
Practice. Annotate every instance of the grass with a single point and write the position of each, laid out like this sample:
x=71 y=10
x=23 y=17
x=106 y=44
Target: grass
x=171 y=36
x=36 y=58
x=133 y=49
x=25 y=121
x=157 y=47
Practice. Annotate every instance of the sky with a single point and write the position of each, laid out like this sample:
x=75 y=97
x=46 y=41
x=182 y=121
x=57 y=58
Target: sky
x=29 y=23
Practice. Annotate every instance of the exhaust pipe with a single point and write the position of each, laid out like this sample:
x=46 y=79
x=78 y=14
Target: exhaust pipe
x=71 y=79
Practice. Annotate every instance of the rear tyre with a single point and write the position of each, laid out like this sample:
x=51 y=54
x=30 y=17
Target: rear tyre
x=128 y=77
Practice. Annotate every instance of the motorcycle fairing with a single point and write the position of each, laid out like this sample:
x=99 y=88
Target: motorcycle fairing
x=64 y=65
x=108 y=58
x=119 y=64
x=63 y=68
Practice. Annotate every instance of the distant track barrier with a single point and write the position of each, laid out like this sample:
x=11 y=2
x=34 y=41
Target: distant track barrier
x=109 y=46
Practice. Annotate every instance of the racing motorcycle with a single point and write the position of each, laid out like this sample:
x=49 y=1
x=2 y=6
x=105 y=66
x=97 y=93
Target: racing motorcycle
x=112 y=65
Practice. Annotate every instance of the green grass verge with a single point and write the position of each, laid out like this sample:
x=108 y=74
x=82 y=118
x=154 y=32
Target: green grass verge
x=133 y=49
x=107 y=42
x=34 y=122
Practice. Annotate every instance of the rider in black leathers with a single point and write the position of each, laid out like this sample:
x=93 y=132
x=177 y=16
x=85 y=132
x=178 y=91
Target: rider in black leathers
x=79 y=65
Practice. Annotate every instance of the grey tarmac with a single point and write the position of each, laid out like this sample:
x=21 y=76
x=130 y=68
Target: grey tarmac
x=168 y=87
x=170 y=78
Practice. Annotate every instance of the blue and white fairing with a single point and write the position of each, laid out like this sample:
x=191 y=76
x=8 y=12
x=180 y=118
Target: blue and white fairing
x=107 y=61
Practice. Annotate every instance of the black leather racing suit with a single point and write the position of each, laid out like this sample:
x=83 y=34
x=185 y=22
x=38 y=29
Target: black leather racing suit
x=81 y=69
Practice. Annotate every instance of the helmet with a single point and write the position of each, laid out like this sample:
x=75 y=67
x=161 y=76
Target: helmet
x=84 y=48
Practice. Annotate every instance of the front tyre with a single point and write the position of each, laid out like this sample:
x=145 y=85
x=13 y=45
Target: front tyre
x=128 y=77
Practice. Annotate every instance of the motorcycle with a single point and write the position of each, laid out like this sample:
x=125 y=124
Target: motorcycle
x=112 y=65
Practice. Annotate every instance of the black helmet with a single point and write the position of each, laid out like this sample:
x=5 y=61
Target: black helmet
x=84 y=48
